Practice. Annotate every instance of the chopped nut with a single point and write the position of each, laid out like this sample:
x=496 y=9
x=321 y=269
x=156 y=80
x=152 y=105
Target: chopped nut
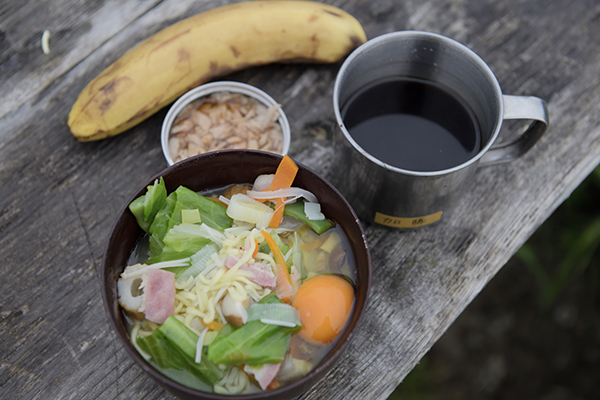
x=225 y=120
x=234 y=140
x=219 y=145
x=201 y=120
x=195 y=138
x=174 y=145
x=253 y=144
x=181 y=126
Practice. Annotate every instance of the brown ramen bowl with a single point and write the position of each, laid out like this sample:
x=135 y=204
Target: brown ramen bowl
x=212 y=171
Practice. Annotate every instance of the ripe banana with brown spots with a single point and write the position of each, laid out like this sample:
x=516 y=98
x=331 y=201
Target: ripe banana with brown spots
x=203 y=47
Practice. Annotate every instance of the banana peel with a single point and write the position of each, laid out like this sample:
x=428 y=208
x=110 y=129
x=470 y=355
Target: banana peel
x=200 y=48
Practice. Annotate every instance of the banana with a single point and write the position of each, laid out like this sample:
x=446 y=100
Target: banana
x=203 y=47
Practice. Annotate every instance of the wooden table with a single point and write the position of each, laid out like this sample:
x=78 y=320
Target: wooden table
x=59 y=197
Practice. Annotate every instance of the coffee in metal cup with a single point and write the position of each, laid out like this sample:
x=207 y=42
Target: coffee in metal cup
x=417 y=114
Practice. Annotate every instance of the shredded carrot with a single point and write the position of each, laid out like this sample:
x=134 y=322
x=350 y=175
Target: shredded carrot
x=214 y=326
x=278 y=214
x=284 y=287
x=277 y=254
x=255 y=249
x=283 y=179
x=285 y=174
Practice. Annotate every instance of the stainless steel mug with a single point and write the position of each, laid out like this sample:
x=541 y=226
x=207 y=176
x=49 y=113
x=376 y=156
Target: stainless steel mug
x=403 y=198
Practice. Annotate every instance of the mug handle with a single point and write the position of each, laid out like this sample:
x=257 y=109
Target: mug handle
x=520 y=107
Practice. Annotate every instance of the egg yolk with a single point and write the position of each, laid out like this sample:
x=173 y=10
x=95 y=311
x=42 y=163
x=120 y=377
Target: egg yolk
x=324 y=303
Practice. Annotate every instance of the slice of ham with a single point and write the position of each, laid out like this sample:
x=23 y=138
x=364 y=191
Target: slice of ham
x=159 y=293
x=263 y=274
x=264 y=375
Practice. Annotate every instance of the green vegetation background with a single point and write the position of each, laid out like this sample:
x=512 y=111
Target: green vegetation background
x=552 y=285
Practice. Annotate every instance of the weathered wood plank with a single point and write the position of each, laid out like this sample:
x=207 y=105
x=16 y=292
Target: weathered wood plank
x=77 y=29
x=59 y=197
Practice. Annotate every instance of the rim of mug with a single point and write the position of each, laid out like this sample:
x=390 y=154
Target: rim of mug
x=452 y=42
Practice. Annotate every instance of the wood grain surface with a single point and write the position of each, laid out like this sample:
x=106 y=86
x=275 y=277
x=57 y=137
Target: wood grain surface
x=59 y=197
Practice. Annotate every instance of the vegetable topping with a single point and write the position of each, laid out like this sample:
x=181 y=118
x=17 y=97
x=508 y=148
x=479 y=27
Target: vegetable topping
x=227 y=284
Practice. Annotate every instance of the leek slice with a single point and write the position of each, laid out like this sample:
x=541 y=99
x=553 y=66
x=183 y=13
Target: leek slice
x=283 y=193
x=313 y=211
x=275 y=314
x=198 y=263
x=245 y=209
x=190 y=216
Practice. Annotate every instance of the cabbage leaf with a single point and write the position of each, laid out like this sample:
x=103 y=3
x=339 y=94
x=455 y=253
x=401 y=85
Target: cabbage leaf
x=252 y=343
x=145 y=207
x=172 y=347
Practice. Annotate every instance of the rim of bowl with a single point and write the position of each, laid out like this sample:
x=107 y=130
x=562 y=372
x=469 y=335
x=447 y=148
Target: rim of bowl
x=115 y=317
x=221 y=86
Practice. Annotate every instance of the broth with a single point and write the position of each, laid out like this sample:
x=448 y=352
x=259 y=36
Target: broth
x=325 y=254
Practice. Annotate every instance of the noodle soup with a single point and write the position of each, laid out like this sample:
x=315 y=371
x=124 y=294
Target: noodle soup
x=237 y=291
